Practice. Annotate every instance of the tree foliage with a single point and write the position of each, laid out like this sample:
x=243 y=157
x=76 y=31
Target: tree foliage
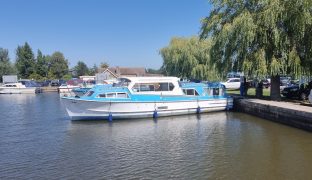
x=188 y=58
x=25 y=61
x=261 y=37
x=58 y=65
x=42 y=64
x=104 y=65
x=93 y=70
x=6 y=68
x=81 y=69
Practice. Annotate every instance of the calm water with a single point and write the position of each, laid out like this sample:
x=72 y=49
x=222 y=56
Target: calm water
x=38 y=141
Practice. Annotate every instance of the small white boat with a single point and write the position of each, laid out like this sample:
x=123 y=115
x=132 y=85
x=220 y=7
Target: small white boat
x=17 y=88
x=141 y=97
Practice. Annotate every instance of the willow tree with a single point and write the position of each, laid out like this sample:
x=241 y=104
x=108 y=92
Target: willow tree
x=188 y=58
x=261 y=37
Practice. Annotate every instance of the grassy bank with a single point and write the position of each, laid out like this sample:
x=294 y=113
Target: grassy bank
x=251 y=92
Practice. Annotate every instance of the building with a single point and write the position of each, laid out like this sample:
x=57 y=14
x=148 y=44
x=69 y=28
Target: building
x=87 y=78
x=112 y=73
x=9 y=79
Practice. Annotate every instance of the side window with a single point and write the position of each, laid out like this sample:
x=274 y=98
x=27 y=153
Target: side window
x=171 y=86
x=163 y=87
x=190 y=92
x=111 y=95
x=136 y=87
x=122 y=95
x=102 y=95
x=146 y=87
x=140 y=87
x=216 y=91
x=89 y=93
x=208 y=91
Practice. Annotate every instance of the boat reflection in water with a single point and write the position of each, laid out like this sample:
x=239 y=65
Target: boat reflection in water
x=141 y=97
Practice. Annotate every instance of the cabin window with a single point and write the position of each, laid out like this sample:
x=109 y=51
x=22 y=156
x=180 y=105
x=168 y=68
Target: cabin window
x=216 y=91
x=136 y=87
x=208 y=91
x=122 y=95
x=164 y=86
x=221 y=91
x=89 y=93
x=190 y=92
x=171 y=86
x=113 y=95
x=102 y=95
x=143 y=87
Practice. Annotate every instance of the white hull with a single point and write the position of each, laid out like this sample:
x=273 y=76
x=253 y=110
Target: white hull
x=8 y=90
x=78 y=110
x=66 y=91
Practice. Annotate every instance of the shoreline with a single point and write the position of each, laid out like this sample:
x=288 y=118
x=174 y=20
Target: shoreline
x=291 y=114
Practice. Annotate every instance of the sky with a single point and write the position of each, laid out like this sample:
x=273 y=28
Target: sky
x=119 y=32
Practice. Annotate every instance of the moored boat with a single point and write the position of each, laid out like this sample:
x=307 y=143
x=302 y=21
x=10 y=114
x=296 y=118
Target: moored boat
x=17 y=88
x=140 y=97
x=66 y=89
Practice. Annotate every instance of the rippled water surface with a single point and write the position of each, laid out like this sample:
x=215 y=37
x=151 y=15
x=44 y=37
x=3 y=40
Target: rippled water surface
x=38 y=141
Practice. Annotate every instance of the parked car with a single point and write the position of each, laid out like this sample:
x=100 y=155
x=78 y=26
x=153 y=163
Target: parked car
x=265 y=83
x=55 y=83
x=232 y=83
x=298 y=91
x=310 y=96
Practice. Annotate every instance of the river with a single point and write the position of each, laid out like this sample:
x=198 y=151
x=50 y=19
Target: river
x=39 y=141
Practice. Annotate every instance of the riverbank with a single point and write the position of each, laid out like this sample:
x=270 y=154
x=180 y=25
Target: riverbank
x=288 y=113
x=49 y=89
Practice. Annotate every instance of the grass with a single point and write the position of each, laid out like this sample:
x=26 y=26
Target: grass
x=250 y=93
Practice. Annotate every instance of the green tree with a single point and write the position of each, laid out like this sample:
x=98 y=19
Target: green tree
x=104 y=65
x=188 y=58
x=6 y=68
x=81 y=69
x=25 y=61
x=36 y=76
x=58 y=66
x=261 y=37
x=42 y=64
x=93 y=70
x=67 y=77
x=154 y=71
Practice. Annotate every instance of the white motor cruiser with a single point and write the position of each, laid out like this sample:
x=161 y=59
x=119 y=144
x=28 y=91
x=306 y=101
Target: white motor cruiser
x=17 y=88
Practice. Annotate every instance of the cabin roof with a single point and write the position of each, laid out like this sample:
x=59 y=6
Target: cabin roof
x=152 y=79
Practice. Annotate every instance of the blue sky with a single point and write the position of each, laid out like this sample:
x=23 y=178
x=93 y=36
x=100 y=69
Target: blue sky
x=119 y=32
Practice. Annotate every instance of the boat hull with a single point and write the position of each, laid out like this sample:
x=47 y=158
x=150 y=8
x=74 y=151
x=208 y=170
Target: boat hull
x=5 y=90
x=84 y=110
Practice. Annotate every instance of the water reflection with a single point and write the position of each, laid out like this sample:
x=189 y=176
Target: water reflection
x=38 y=141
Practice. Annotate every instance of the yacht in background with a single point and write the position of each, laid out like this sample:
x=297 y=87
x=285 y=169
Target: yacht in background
x=18 y=88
